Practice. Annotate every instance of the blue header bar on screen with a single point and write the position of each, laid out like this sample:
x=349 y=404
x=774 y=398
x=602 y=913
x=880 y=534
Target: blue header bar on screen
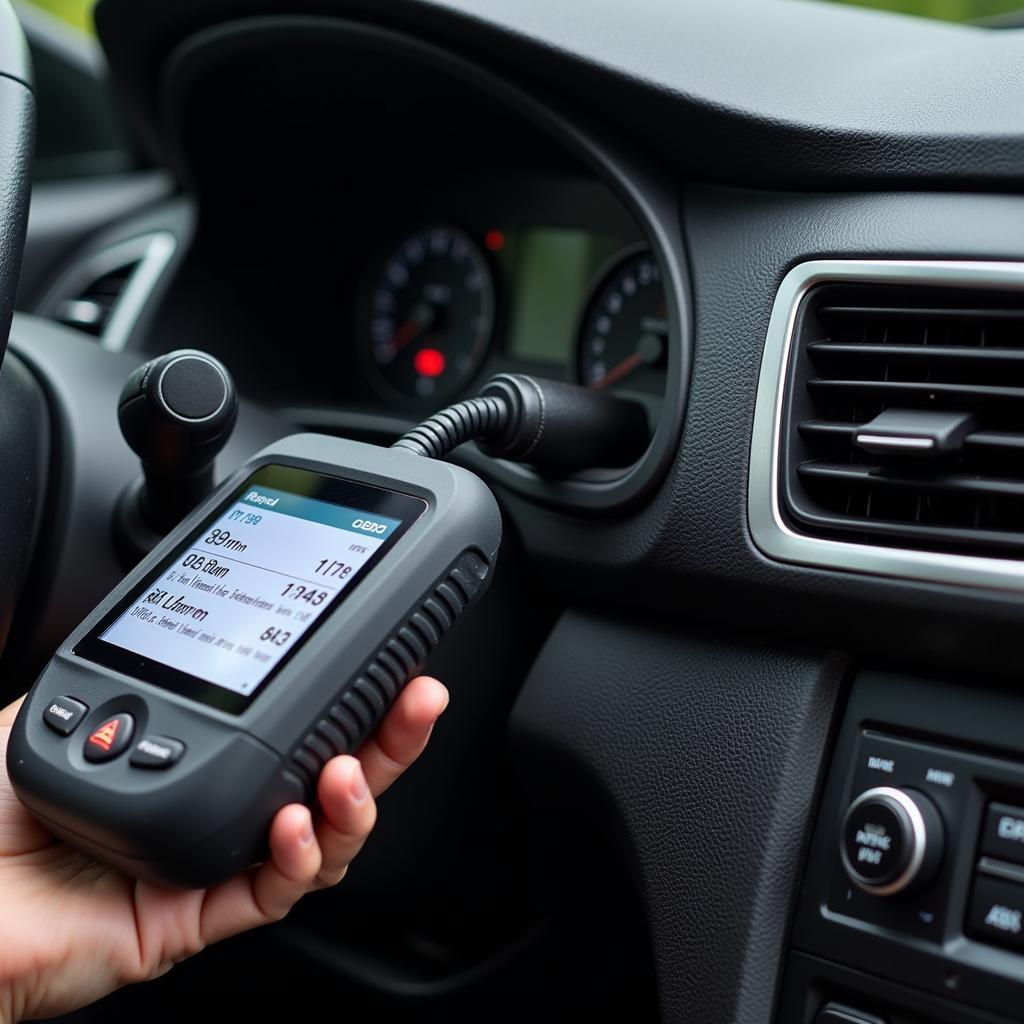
x=339 y=516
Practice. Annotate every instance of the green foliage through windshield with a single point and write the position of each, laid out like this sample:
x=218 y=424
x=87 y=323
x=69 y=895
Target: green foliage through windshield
x=948 y=10
x=75 y=12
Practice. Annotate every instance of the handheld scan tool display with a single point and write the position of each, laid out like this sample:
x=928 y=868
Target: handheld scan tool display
x=270 y=631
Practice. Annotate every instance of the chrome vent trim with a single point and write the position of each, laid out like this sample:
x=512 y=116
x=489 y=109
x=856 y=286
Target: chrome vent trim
x=149 y=256
x=769 y=530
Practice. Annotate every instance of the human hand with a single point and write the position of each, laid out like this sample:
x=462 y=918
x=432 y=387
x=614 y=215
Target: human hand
x=73 y=929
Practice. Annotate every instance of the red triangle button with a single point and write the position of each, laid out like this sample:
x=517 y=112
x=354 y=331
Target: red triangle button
x=110 y=739
x=105 y=735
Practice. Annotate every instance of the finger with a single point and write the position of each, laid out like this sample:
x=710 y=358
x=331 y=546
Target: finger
x=20 y=832
x=349 y=814
x=9 y=713
x=268 y=892
x=295 y=859
x=403 y=734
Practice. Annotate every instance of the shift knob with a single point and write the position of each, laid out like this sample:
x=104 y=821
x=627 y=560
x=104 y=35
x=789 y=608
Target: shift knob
x=177 y=413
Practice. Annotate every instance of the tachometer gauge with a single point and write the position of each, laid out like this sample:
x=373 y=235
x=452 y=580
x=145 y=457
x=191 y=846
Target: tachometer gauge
x=431 y=314
x=623 y=339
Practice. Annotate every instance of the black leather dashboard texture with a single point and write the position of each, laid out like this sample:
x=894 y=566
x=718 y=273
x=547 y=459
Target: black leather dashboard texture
x=703 y=756
x=770 y=94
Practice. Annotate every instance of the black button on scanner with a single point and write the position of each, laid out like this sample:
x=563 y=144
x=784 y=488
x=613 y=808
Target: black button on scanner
x=1003 y=837
x=64 y=715
x=110 y=738
x=156 y=752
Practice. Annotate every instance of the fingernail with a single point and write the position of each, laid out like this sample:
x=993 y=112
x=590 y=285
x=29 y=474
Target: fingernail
x=360 y=791
x=306 y=835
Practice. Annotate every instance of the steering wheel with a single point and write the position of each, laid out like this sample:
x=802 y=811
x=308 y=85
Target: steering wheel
x=24 y=423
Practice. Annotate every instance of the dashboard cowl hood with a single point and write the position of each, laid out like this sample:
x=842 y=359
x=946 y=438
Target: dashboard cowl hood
x=787 y=94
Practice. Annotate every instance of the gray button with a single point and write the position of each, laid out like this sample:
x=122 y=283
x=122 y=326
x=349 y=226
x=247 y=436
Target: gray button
x=996 y=913
x=64 y=715
x=1003 y=837
x=156 y=752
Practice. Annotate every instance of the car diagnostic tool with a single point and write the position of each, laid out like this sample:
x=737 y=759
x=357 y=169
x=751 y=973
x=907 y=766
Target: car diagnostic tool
x=275 y=625
x=269 y=631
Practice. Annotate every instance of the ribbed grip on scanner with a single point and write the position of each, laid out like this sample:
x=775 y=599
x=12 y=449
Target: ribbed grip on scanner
x=347 y=722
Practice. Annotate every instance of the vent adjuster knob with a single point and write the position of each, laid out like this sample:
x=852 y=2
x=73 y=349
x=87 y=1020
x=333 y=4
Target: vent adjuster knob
x=916 y=433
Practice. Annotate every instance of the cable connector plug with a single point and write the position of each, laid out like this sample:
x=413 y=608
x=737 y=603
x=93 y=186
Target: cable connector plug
x=557 y=428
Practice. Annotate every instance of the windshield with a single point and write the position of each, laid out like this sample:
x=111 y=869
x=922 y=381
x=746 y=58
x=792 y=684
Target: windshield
x=78 y=12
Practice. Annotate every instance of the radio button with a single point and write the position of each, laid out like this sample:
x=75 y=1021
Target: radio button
x=156 y=752
x=110 y=739
x=1003 y=836
x=996 y=913
x=64 y=715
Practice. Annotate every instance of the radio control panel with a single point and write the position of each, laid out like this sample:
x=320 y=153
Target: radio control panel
x=916 y=868
x=897 y=867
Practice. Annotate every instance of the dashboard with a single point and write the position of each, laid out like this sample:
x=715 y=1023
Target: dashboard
x=410 y=257
x=804 y=262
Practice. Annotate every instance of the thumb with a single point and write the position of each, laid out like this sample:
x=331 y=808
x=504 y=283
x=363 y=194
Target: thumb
x=19 y=830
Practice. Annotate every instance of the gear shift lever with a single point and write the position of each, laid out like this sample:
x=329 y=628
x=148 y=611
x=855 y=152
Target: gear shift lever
x=176 y=413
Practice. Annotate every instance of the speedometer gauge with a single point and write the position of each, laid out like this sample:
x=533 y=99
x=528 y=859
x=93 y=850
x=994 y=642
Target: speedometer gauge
x=623 y=340
x=431 y=314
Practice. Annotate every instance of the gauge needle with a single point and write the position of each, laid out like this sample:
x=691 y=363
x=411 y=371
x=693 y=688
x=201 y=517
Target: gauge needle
x=647 y=354
x=422 y=316
x=619 y=370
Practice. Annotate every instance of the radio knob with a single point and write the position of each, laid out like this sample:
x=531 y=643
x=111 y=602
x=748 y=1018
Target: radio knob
x=892 y=841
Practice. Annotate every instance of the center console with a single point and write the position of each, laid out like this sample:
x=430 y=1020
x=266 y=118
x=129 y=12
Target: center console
x=912 y=906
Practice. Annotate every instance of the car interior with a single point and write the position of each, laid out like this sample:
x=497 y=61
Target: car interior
x=737 y=732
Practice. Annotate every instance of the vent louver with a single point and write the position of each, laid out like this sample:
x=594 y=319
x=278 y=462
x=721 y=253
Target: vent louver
x=90 y=310
x=859 y=350
x=105 y=292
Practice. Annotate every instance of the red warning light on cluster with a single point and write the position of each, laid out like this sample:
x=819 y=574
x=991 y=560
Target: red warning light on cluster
x=429 y=362
x=494 y=240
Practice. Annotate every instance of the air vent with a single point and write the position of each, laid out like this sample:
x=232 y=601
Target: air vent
x=104 y=293
x=892 y=398
x=860 y=352
x=91 y=309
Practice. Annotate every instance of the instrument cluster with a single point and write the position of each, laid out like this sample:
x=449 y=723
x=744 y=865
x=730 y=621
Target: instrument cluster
x=447 y=303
